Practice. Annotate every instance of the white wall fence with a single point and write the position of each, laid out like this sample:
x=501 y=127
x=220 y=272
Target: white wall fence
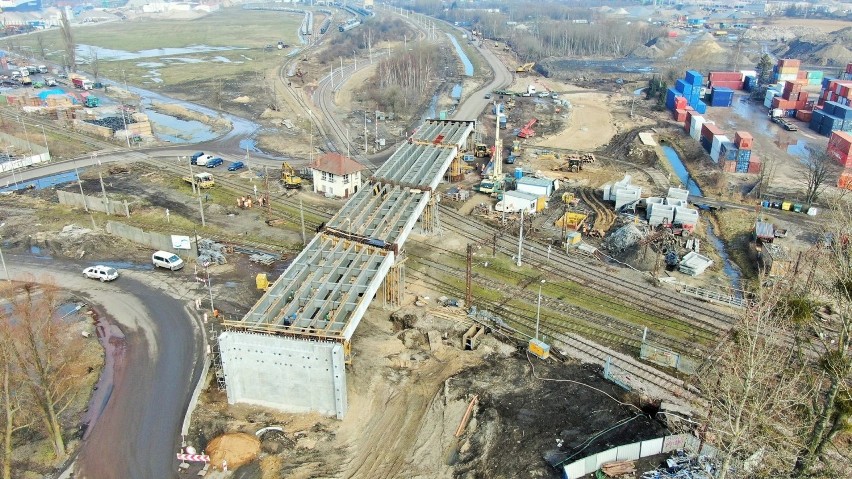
x=637 y=450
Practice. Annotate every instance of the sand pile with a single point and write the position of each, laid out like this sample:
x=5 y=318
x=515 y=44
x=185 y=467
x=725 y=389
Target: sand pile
x=234 y=448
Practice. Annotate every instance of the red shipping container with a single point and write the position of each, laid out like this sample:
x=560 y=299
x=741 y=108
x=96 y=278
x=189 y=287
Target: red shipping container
x=849 y=68
x=680 y=103
x=843 y=159
x=726 y=76
x=754 y=166
x=709 y=130
x=804 y=115
x=803 y=96
x=845 y=180
x=733 y=85
x=679 y=115
x=730 y=167
x=789 y=62
x=802 y=75
x=841 y=141
x=743 y=140
x=687 y=122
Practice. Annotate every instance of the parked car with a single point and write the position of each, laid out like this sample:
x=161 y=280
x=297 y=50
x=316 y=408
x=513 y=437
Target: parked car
x=194 y=158
x=214 y=162
x=164 y=259
x=103 y=273
x=487 y=96
x=237 y=165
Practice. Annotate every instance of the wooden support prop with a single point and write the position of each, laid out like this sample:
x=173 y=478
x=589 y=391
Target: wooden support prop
x=467 y=414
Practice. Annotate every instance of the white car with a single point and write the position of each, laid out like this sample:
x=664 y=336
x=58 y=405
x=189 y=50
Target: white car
x=103 y=273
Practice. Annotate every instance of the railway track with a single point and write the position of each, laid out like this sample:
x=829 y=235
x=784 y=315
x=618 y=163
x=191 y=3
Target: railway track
x=519 y=324
x=594 y=275
x=573 y=318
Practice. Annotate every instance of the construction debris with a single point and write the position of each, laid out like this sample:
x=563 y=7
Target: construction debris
x=694 y=264
x=681 y=465
x=618 y=468
x=625 y=237
x=210 y=252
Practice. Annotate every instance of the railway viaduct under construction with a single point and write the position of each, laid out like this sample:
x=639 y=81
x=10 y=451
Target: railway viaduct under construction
x=290 y=351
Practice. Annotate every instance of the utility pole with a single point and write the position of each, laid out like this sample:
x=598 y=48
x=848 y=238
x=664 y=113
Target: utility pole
x=302 y=216
x=44 y=135
x=521 y=237
x=468 y=298
x=201 y=208
x=103 y=192
x=365 y=133
x=191 y=177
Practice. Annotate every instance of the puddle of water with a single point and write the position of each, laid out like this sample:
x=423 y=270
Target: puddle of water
x=168 y=127
x=66 y=310
x=115 y=347
x=39 y=183
x=603 y=66
x=754 y=114
x=799 y=149
x=127 y=265
x=249 y=144
x=468 y=66
x=681 y=171
x=85 y=52
x=731 y=270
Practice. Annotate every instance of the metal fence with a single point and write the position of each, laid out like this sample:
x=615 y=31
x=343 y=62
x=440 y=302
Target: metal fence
x=636 y=450
x=668 y=358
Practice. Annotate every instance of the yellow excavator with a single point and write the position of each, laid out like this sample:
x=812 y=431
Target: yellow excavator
x=525 y=68
x=289 y=177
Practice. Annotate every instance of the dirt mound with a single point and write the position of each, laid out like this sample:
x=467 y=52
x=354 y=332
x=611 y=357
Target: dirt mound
x=234 y=448
x=658 y=48
x=707 y=49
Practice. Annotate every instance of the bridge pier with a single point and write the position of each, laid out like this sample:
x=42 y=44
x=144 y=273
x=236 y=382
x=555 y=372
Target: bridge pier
x=429 y=221
x=393 y=286
x=454 y=173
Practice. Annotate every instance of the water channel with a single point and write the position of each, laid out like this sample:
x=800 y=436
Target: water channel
x=468 y=66
x=732 y=271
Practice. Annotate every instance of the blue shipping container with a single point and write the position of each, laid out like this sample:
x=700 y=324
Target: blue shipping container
x=694 y=78
x=828 y=107
x=826 y=81
x=728 y=151
x=744 y=155
x=680 y=86
x=700 y=107
x=842 y=111
x=741 y=168
x=706 y=144
x=671 y=94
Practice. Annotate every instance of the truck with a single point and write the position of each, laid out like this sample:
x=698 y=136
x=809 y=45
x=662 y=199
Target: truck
x=42 y=68
x=203 y=159
x=92 y=101
x=49 y=81
x=200 y=180
x=82 y=83
x=26 y=81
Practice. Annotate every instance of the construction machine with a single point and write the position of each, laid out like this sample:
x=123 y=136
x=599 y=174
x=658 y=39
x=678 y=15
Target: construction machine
x=481 y=150
x=527 y=131
x=525 y=68
x=291 y=180
x=516 y=147
x=494 y=184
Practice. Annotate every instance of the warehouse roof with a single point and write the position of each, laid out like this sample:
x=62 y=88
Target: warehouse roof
x=533 y=181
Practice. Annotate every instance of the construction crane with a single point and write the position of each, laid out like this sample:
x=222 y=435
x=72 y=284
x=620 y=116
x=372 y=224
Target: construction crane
x=493 y=184
x=525 y=68
x=289 y=177
x=527 y=131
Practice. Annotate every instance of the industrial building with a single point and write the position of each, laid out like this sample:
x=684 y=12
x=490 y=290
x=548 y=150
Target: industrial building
x=290 y=350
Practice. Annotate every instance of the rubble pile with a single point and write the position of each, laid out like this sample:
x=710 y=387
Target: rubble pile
x=625 y=237
x=210 y=252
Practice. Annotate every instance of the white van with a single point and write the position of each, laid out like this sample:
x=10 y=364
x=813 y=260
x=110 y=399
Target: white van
x=164 y=259
x=203 y=159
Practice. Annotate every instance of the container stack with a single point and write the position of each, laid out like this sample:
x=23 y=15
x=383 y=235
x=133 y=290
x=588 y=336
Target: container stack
x=746 y=161
x=847 y=74
x=792 y=98
x=771 y=93
x=687 y=120
x=716 y=146
x=833 y=117
x=839 y=91
x=696 y=124
x=732 y=80
x=708 y=131
x=721 y=96
x=840 y=148
x=786 y=70
x=814 y=77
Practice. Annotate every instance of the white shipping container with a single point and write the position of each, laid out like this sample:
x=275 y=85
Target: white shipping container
x=695 y=127
x=767 y=101
x=717 y=142
x=749 y=73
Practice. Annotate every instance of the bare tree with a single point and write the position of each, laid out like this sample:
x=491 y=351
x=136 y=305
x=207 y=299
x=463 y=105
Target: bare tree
x=43 y=351
x=68 y=40
x=752 y=387
x=94 y=63
x=768 y=168
x=831 y=408
x=817 y=169
x=14 y=416
x=39 y=38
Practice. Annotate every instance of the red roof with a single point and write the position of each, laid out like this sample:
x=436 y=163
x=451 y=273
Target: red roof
x=336 y=164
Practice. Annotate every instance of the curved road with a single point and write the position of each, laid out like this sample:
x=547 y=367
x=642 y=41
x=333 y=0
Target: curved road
x=156 y=367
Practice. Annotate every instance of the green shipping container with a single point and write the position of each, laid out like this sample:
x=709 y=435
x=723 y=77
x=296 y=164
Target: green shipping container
x=797 y=208
x=442 y=115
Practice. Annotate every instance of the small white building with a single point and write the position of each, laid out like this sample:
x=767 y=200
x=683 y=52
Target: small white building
x=514 y=201
x=536 y=186
x=336 y=175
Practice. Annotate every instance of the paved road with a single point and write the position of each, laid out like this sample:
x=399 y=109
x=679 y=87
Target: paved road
x=156 y=368
x=473 y=106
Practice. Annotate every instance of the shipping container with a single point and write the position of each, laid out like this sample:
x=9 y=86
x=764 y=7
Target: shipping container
x=728 y=152
x=754 y=166
x=845 y=180
x=694 y=78
x=726 y=76
x=721 y=96
x=709 y=130
x=671 y=94
x=730 y=167
x=679 y=115
x=804 y=115
x=700 y=107
x=743 y=140
x=680 y=103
